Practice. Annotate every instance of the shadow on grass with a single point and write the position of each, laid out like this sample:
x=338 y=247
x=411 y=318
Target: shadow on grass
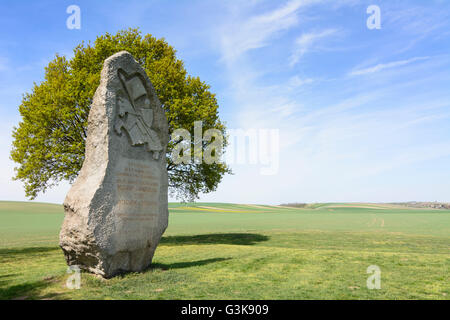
x=215 y=238
x=24 y=291
x=30 y=250
x=5 y=279
x=189 y=264
x=9 y=288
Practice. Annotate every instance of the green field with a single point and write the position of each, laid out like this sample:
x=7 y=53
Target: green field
x=227 y=251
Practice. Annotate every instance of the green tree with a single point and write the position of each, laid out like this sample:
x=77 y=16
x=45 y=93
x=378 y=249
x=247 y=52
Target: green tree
x=49 y=142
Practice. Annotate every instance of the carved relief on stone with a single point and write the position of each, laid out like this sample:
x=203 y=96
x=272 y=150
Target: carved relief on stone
x=135 y=114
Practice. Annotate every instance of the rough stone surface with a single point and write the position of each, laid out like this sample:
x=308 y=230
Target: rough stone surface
x=116 y=211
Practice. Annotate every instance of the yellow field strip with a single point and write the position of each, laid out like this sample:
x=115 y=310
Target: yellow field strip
x=268 y=208
x=212 y=209
x=286 y=207
x=356 y=206
x=257 y=206
x=367 y=206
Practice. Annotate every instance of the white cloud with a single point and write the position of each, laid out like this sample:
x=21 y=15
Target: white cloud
x=306 y=42
x=416 y=20
x=383 y=66
x=296 y=81
x=256 y=31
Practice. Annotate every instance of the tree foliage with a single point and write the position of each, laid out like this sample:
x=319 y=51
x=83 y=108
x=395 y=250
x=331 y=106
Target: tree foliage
x=49 y=142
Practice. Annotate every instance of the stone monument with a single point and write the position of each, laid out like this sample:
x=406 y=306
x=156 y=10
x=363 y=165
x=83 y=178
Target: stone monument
x=116 y=211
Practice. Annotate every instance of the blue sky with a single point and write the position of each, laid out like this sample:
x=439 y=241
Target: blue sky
x=363 y=115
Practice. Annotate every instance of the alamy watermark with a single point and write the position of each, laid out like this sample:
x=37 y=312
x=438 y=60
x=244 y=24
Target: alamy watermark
x=74 y=20
x=258 y=147
x=374 y=280
x=251 y=146
x=74 y=280
x=374 y=20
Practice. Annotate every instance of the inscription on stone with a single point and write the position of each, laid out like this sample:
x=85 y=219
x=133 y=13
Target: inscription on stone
x=137 y=190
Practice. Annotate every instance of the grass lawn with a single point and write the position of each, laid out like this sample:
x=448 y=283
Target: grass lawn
x=228 y=251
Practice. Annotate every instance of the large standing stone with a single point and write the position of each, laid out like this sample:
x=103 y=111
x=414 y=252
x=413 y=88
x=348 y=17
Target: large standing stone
x=116 y=211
